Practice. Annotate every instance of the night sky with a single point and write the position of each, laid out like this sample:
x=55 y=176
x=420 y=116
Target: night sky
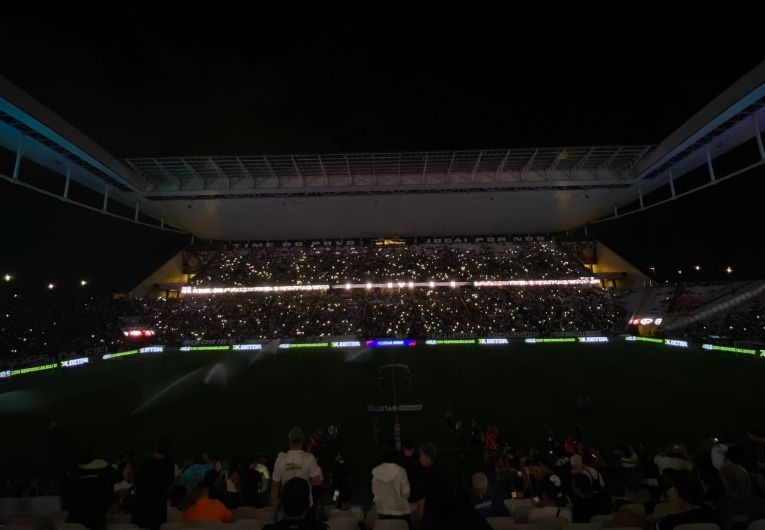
x=242 y=85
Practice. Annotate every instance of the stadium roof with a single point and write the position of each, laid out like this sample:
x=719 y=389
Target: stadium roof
x=512 y=190
x=544 y=167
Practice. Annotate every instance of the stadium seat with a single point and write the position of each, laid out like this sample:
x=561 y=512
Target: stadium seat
x=245 y=512
x=663 y=509
x=757 y=525
x=43 y=504
x=209 y=525
x=343 y=523
x=264 y=513
x=551 y=523
x=9 y=506
x=390 y=524
x=248 y=524
x=519 y=508
x=27 y=521
x=174 y=515
x=524 y=526
x=118 y=518
x=370 y=518
x=637 y=509
x=122 y=526
x=698 y=526
x=72 y=526
x=601 y=520
x=582 y=526
x=501 y=523
x=58 y=517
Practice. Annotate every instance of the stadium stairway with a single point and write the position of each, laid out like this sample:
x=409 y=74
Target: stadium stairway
x=725 y=303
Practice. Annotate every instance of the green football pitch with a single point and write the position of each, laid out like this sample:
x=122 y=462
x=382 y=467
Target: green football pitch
x=235 y=402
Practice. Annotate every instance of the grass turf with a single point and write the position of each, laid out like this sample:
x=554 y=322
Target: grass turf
x=245 y=402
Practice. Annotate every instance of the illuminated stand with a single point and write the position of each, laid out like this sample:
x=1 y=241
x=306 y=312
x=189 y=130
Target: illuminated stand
x=193 y=290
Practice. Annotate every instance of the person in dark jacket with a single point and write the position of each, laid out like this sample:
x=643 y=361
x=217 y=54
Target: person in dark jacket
x=152 y=485
x=87 y=491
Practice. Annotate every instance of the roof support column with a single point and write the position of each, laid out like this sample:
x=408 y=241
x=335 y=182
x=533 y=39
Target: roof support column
x=68 y=178
x=106 y=197
x=711 y=168
x=586 y=232
x=640 y=197
x=162 y=223
x=17 y=164
x=758 y=137
x=137 y=207
x=671 y=183
x=616 y=212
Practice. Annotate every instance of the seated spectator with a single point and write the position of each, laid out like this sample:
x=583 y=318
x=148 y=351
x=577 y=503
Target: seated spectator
x=452 y=510
x=205 y=508
x=586 y=465
x=231 y=495
x=738 y=507
x=553 y=502
x=390 y=487
x=690 y=502
x=259 y=465
x=295 y=502
x=344 y=508
x=196 y=472
x=587 y=503
x=483 y=501
x=252 y=485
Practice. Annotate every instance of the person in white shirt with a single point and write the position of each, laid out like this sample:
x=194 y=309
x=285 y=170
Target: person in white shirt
x=294 y=463
x=390 y=487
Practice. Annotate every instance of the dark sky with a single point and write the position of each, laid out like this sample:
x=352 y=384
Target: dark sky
x=142 y=86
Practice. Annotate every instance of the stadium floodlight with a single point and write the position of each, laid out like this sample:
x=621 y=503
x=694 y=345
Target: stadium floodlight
x=697 y=268
x=7 y=277
x=51 y=286
x=679 y=272
x=347 y=285
x=83 y=283
x=729 y=269
x=431 y=284
x=369 y=285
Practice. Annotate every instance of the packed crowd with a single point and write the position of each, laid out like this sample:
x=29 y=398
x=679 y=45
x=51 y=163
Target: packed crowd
x=419 y=313
x=721 y=482
x=35 y=329
x=280 y=266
